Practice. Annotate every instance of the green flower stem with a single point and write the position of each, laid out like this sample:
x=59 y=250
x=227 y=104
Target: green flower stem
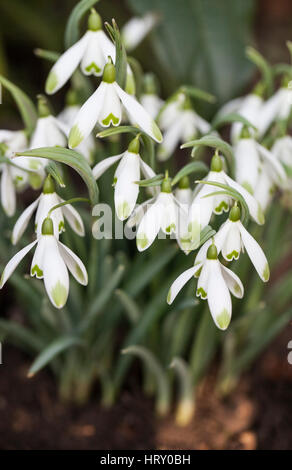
x=70 y=201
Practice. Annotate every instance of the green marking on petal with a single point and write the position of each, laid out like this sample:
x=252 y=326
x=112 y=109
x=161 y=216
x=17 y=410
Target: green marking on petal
x=93 y=68
x=59 y=294
x=75 y=137
x=51 y=83
x=110 y=118
x=36 y=270
x=248 y=187
x=266 y=273
x=79 y=272
x=194 y=231
x=237 y=289
x=223 y=206
x=61 y=226
x=156 y=132
x=142 y=241
x=201 y=293
x=197 y=273
x=124 y=210
x=170 y=228
x=233 y=255
x=260 y=215
x=33 y=164
x=223 y=319
x=168 y=296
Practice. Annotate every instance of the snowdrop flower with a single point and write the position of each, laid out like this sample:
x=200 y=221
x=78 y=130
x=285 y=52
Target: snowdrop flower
x=126 y=177
x=13 y=177
x=135 y=30
x=214 y=284
x=163 y=213
x=51 y=262
x=183 y=192
x=231 y=239
x=278 y=107
x=92 y=50
x=252 y=158
x=42 y=205
x=180 y=124
x=204 y=205
x=248 y=107
x=104 y=106
x=67 y=117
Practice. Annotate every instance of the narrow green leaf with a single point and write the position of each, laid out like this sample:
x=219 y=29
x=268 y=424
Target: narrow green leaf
x=163 y=388
x=119 y=130
x=155 y=181
x=23 y=102
x=71 y=158
x=51 y=56
x=121 y=56
x=130 y=306
x=205 y=234
x=198 y=93
x=72 y=27
x=20 y=335
x=53 y=170
x=264 y=67
x=216 y=143
x=51 y=351
x=193 y=167
x=230 y=119
x=186 y=396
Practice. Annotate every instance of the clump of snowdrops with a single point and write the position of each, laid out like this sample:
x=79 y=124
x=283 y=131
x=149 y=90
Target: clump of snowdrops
x=206 y=235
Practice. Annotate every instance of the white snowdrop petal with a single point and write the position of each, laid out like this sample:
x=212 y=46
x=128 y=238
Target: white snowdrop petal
x=233 y=282
x=74 y=219
x=111 y=112
x=74 y=264
x=219 y=300
x=46 y=202
x=273 y=162
x=37 y=263
x=171 y=138
x=138 y=213
x=56 y=278
x=126 y=189
x=105 y=164
x=152 y=103
x=8 y=196
x=247 y=164
x=65 y=65
x=269 y=112
x=169 y=214
x=255 y=254
x=219 y=240
x=107 y=47
x=23 y=221
x=139 y=115
x=14 y=262
x=87 y=117
x=179 y=283
x=202 y=286
x=149 y=226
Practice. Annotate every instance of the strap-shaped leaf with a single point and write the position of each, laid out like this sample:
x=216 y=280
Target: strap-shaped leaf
x=121 y=55
x=230 y=119
x=72 y=159
x=154 y=366
x=52 y=56
x=53 y=170
x=155 y=181
x=72 y=27
x=186 y=397
x=193 y=167
x=51 y=351
x=119 y=130
x=216 y=143
x=198 y=93
x=23 y=102
x=264 y=67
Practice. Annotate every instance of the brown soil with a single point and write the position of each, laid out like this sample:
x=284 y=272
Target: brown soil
x=258 y=414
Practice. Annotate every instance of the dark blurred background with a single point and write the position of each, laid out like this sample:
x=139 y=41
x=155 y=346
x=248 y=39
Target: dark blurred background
x=198 y=42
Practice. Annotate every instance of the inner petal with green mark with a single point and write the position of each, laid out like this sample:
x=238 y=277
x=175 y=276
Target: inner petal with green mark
x=201 y=293
x=93 y=68
x=223 y=206
x=36 y=271
x=110 y=119
x=61 y=226
x=170 y=228
x=233 y=255
x=51 y=83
